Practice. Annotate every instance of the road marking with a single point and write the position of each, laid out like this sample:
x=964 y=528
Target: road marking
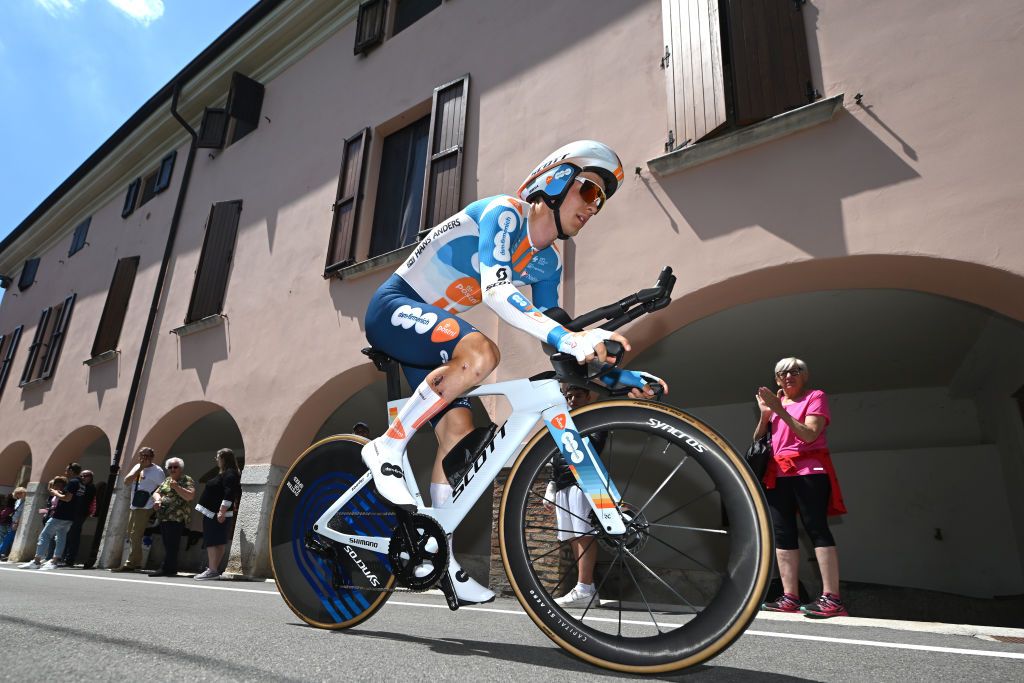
x=66 y=575
x=495 y=610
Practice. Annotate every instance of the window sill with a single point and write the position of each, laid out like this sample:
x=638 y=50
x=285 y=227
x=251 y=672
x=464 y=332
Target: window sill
x=33 y=383
x=206 y=323
x=792 y=121
x=372 y=264
x=101 y=358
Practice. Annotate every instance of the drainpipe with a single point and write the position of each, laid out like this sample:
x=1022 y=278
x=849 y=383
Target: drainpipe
x=129 y=409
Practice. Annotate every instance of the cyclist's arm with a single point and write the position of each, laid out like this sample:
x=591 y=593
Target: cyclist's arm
x=497 y=225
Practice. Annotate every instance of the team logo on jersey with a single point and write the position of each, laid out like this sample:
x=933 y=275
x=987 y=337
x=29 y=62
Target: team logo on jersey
x=446 y=330
x=406 y=316
x=507 y=224
x=559 y=421
x=464 y=291
x=520 y=302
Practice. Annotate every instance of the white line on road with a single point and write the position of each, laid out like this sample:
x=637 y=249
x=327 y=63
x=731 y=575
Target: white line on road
x=397 y=603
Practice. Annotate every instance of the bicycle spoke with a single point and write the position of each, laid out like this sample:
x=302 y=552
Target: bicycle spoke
x=552 y=528
x=686 y=504
x=660 y=580
x=636 y=463
x=554 y=504
x=691 y=559
x=662 y=485
x=603 y=582
x=558 y=546
x=642 y=597
x=691 y=528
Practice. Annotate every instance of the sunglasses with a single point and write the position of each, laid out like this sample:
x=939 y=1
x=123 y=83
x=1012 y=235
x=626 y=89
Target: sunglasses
x=591 y=192
x=173 y=467
x=787 y=373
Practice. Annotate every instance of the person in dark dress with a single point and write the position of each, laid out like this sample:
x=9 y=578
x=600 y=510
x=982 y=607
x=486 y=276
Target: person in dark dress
x=216 y=505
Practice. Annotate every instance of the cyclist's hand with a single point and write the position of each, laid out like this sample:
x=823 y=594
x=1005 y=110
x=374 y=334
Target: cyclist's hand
x=549 y=496
x=588 y=345
x=647 y=391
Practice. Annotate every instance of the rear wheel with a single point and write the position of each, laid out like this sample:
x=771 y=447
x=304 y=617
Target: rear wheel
x=328 y=584
x=690 y=573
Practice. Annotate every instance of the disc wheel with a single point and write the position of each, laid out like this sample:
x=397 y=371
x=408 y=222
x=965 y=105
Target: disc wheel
x=689 y=574
x=328 y=584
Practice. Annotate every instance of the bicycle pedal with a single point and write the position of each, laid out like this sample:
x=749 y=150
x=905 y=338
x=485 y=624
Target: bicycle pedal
x=448 y=588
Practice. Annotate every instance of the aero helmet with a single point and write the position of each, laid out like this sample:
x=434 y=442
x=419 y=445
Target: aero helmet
x=550 y=180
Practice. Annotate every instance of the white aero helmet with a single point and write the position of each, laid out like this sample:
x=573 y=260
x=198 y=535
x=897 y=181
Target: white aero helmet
x=551 y=179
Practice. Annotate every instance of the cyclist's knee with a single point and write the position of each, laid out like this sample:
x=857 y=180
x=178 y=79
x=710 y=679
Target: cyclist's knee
x=478 y=354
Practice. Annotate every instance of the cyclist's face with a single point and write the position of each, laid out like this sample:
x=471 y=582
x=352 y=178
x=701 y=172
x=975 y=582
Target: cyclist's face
x=577 y=211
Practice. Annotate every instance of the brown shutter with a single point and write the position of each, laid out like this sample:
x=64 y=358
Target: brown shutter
x=56 y=342
x=112 y=319
x=245 y=99
x=130 y=197
x=346 y=205
x=28 y=374
x=443 y=180
x=693 y=70
x=370 y=25
x=7 y=354
x=768 y=55
x=214 y=128
x=81 y=232
x=215 y=261
x=28 y=274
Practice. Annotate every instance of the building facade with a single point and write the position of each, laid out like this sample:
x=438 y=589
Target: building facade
x=829 y=180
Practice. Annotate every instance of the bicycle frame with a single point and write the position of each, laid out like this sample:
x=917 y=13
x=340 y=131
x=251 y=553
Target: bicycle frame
x=531 y=400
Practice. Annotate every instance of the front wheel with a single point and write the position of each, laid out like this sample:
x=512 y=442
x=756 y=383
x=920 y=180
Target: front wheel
x=686 y=579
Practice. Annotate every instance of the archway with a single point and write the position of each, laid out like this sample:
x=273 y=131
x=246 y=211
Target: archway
x=15 y=466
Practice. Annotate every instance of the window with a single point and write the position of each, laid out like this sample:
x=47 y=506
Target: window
x=130 y=197
x=8 y=347
x=165 y=171
x=346 y=204
x=78 y=239
x=149 y=187
x=731 y=63
x=28 y=274
x=112 y=319
x=215 y=261
x=421 y=171
x=46 y=345
x=408 y=12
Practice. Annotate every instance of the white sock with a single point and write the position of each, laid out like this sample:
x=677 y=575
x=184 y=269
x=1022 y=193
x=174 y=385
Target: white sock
x=587 y=588
x=421 y=406
x=440 y=494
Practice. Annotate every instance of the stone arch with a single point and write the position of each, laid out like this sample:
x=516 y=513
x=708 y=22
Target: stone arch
x=12 y=458
x=68 y=450
x=314 y=411
x=166 y=430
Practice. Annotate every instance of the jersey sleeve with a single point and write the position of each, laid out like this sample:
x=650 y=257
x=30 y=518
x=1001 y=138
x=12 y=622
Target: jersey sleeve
x=500 y=221
x=545 y=292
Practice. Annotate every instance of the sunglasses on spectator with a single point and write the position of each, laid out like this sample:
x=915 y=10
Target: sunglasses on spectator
x=791 y=372
x=173 y=467
x=591 y=192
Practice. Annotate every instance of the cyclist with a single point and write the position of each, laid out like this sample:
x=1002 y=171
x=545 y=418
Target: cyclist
x=481 y=255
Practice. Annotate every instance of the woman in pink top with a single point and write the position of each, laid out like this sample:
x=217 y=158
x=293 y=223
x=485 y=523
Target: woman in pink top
x=800 y=478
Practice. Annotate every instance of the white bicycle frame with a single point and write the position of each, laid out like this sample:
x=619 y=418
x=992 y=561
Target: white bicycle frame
x=530 y=400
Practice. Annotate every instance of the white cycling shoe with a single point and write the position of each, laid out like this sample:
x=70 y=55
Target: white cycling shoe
x=388 y=476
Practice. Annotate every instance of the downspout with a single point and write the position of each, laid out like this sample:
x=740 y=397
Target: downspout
x=129 y=410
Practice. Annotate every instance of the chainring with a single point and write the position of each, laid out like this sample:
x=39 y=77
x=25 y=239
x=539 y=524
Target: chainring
x=418 y=541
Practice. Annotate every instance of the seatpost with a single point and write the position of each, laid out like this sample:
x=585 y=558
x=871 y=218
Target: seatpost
x=394 y=381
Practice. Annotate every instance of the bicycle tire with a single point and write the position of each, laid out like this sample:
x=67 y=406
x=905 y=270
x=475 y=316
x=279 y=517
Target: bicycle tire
x=743 y=582
x=317 y=478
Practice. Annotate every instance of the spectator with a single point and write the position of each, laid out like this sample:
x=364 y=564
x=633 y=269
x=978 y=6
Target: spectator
x=800 y=478
x=573 y=513
x=6 y=515
x=361 y=429
x=171 y=502
x=220 y=494
x=83 y=498
x=143 y=478
x=19 y=506
x=57 y=526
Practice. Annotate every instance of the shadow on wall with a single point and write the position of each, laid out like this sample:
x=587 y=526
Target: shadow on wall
x=793 y=188
x=200 y=351
x=103 y=377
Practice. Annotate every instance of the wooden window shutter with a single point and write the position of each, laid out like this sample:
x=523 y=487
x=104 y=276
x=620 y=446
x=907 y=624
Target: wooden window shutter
x=346 y=204
x=130 y=197
x=694 y=76
x=112 y=319
x=245 y=100
x=771 y=72
x=443 y=179
x=370 y=25
x=78 y=239
x=149 y=187
x=8 y=347
x=214 y=129
x=28 y=274
x=163 y=180
x=215 y=261
x=56 y=341
x=27 y=375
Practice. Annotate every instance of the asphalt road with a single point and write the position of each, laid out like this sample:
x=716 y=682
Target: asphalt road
x=92 y=625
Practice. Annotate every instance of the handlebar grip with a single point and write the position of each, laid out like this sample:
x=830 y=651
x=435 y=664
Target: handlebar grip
x=614 y=348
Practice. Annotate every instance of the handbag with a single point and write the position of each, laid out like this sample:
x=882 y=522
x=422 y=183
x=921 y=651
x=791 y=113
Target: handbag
x=140 y=498
x=759 y=453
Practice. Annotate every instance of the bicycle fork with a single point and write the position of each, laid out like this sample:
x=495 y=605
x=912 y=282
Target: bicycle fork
x=587 y=467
